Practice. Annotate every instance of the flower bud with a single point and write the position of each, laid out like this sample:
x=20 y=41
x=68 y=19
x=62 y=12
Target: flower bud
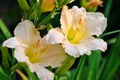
x=91 y=5
x=47 y=5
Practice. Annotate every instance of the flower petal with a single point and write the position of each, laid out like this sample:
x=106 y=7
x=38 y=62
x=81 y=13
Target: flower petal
x=43 y=73
x=75 y=50
x=54 y=36
x=53 y=55
x=71 y=17
x=96 y=23
x=96 y=44
x=26 y=32
x=19 y=54
x=66 y=19
x=11 y=42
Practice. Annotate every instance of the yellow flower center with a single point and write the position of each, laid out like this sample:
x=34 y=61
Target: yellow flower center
x=34 y=53
x=76 y=33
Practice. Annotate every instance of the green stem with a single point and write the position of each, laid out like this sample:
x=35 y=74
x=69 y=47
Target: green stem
x=38 y=12
x=24 y=5
x=69 y=61
x=17 y=66
x=47 y=18
x=109 y=33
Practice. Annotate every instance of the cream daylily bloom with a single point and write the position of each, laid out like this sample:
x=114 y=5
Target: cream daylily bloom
x=77 y=30
x=34 y=50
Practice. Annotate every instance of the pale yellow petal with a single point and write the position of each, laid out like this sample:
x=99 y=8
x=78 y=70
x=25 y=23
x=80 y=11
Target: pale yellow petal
x=11 y=42
x=19 y=54
x=55 y=36
x=66 y=19
x=96 y=23
x=53 y=55
x=26 y=33
x=96 y=44
x=73 y=17
x=43 y=73
x=75 y=50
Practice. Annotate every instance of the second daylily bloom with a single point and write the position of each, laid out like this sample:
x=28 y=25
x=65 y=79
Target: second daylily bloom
x=34 y=50
x=78 y=28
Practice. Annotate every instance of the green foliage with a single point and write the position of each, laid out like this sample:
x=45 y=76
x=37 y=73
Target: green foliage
x=5 y=30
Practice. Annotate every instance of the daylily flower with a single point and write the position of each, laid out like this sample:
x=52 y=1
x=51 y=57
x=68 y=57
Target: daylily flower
x=77 y=32
x=34 y=50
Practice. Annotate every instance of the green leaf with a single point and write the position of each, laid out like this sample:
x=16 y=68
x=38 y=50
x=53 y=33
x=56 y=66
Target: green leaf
x=108 y=8
x=24 y=5
x=94 y=62
x=5 y=58
x=80 y=68
x=4 y=29
x=110 y=63
x=3 y=75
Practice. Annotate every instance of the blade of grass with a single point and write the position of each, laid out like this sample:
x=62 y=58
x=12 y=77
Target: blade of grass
x=94 y=62
x=5 y=30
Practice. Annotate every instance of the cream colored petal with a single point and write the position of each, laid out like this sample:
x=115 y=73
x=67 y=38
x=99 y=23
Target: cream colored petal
x=53 y=55
x=66 y=19
x=26 y=33
x=11 y=42
x=96 y=44
x=96 y=23
x=75 y=50
x=43 y=73
x=72 y=17
x=54 y=36
x=78 y=14
x=19 y=54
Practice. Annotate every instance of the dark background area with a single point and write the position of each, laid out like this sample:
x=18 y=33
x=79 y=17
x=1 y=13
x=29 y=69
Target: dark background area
x=10 y=13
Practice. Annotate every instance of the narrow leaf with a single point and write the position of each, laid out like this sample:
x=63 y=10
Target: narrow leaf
x=94 y=61
x=5 y=30
x=80 y=68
